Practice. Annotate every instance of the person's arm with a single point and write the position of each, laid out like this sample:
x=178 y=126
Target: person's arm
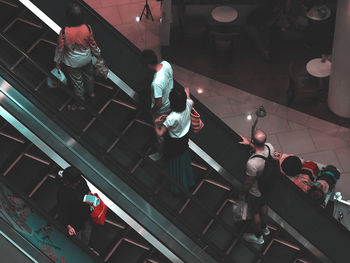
x=246 y=141
x=158 y=103
x=59 y=52
x=96 y=51
x=160 y=129
x=248 y=183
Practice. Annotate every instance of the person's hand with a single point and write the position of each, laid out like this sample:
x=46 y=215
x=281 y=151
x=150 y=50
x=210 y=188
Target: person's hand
x=324 y=58
x=71 y=230
x=187 y=91
x=160 y=118
x=245 y=140
x=58 y=67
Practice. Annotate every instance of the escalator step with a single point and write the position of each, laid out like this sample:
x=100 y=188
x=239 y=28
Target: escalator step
x=104 y=237
x=219 y=237
x=128 y=252
x=126 y=157
x=8 y=54
x=43 y=54
x=7 y=14
x=140 y=136
x=100 y=135
x=8 y=148
x=241 y=254
x=26 y=174
x=46 y=195
x=29 y=74
x=118 y=116
x=78 y=119
x=148 y=177
x=23 y=34
x=103 y=94
x=55 y=97
x=211 y=194
x=280 y=252
x=195 y=218
x=157 y=257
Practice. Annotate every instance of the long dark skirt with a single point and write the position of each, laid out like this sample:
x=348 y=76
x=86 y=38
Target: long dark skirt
x=178 y=162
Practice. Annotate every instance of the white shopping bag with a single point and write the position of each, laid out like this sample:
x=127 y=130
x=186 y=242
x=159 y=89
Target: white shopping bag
x=58 y=74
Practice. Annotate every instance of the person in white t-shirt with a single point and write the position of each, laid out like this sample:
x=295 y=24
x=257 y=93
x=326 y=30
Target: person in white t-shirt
x=175 y=127
x=250 y=189
x=161 y=86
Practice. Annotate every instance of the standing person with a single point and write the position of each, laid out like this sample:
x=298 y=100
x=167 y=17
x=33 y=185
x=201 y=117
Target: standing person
x=161 y=86
x=73 y=213
x=176 y=127
x=250 y=189
x=76 y=45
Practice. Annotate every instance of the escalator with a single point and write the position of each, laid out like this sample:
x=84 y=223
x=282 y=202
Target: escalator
x=33 y=174
x=121 y=137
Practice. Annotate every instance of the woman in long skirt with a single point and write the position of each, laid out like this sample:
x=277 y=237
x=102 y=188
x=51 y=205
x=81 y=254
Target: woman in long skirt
x=175 y=127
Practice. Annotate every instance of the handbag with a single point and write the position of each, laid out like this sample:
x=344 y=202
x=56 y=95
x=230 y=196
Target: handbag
x=196 y=122
x=241 y=212
x=101 y=69
x=98 y=215
x=59 y=77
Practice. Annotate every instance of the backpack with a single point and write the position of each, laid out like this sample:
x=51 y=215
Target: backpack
x=271 y=169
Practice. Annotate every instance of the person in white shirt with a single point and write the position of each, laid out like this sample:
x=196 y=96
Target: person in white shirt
x=250 y=189
x=161 y=86
x=175 y=127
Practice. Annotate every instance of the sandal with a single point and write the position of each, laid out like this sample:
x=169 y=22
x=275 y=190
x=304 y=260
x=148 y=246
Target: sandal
x=92 y=95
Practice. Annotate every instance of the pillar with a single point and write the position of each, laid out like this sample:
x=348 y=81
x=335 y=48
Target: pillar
x=339 y=88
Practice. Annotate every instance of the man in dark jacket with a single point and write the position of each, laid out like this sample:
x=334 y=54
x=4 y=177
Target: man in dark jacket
x=72 y=211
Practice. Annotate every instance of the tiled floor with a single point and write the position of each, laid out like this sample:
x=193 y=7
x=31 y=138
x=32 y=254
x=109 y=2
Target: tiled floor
x=290 y=131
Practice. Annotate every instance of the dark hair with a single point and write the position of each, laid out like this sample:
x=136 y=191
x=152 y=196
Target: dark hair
x=148 y=57
x=74 y=15
x=177 y=98
x=71 y=175
x=291 y=166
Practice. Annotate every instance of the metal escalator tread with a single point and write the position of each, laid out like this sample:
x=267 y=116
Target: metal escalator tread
x=41 y=52
x=140 y=136
x=24 y=33
x=147 y=177
x=21 y=171
x=29 y=74
x=281 y=251
x=8 y=55
x=9 y=147
x=100 y=135
x=9 y=11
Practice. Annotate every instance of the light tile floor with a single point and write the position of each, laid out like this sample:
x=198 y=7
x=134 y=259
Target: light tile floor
x=288 y=130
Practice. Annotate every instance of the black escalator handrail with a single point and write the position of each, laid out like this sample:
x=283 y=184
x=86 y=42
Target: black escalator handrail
x=126 y=173
x=49 y=219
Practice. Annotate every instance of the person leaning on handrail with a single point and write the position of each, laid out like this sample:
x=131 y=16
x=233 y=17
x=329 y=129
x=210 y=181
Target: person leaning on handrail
x=75 y=48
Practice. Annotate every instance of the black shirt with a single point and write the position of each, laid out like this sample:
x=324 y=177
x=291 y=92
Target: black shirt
x=71 y=208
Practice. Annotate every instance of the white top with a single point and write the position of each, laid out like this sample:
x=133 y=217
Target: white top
x=179 y=123
x=162 y=84
x=319 y=69
x=224 y=14
x=255 y=167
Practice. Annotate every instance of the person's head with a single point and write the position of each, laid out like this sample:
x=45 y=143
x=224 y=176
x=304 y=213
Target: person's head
x=177 y=98
x=71 y=176
x=259 y=139
x=149 y=58
x=291 y=166
x=330 y=174
x=74 y=15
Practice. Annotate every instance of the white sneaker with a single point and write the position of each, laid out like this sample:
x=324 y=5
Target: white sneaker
x=266 y=231
x=251 y=237
x=155 y=156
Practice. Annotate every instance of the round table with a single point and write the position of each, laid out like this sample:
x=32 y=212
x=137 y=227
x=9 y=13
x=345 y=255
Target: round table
x=224 y=14
x=319 y=69
x=319 y=13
